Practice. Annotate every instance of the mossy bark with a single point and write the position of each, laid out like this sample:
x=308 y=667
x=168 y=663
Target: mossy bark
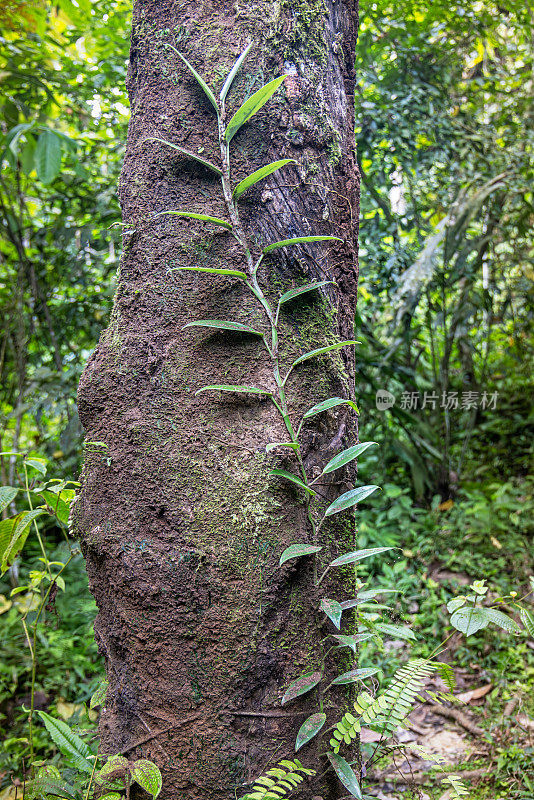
x=181 y=525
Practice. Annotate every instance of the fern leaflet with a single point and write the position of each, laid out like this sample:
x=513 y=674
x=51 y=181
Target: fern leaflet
x=458 y=788
x=278 y=781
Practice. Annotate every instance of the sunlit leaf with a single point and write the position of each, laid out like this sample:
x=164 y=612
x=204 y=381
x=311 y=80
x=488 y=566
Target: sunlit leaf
x=301 y=686
x=298 y=550
x=235 y=69
x=251 y=106
x=308 y=287
x=320 y=351
x=502 y=620
x=98 y=698
x=259 y=175
x=202 y=217
x=332 y=402
x=358 y=555
x=214 y=271
x=7 y=495
x=349 y=499
x=282 y=473
x=469 y=620
x=309 y=729
x=13 y=535
x=274 y=445
x=147 y=775
x=347 y=456
x=186 y=153
x=300 y=240
x=223 y=325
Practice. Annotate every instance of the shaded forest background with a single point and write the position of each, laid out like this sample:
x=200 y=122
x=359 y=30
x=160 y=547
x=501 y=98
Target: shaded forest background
x=445 y=141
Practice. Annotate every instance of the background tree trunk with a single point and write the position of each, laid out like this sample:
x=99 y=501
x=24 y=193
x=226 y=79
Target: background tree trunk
x=181 y=526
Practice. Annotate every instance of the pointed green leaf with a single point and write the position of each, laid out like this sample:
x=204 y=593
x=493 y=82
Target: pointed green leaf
x=38 y=464
x=346 y=775
x=251 y=106
x=282 y=473
x=308 y=287
x=43 y=786
x=68 y=743
x=13 y=535
x=112 y=764
x=48 y=157
x=502 y=620
x=202 y=217
x=235 y=69
x=350 y=499
x=233 y=272
x=358 y=555
x=352 y=641
x=321 y=350
x=98 y=697
x=7 y=495
x=199 y=79
x=469 y=620
x=309 y=728
x=398 y=631
x=353 y=676
x=224 y=325
x=527 y=620
x=230 y=388
x=186 y=153
x=346 y=456
x=58 y=503
x=298 y=550
x=301 y=686
x=147 y=775
x=300 y=240
x=259 y=175
x=273 y=445
x=332 y=609
x=332 y=402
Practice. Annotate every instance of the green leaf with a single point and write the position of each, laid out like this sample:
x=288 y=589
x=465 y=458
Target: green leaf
x=114 y=763
x=13 y=535
x=233 y=272
x=527 y=620
x=332 y=402
x=298 y=550
x=259 y=175
x=43 y=786
x=251 y=106
x=186 y=153
x=346 y=456
x=59 y=503
x=456 y=603
x=48 y=156
x=346 y=775
x=308 y=287
x=7 y=495
x=351 y=641
x=235 y=69
x=358 y=555
x=469 y=620
x=502 y=620
x=202 y=217
x=273 y=445
x=98 y=697
x=320 y=351
x=300 y=240
x=68 y=743
x=230 y=388
x=38 y=464
x=282 y=473
x=301 y=686
x=201 y=82
x=354 y=675
x=349 y=499
x=309 y=729
x=332 y=609
x=147 y=775
x=398 y=631
x=223 y=325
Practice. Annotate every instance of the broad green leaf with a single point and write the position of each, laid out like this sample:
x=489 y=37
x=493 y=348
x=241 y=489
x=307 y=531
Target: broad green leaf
x=112 y=764
x=332 y=402
x=370 y=594
x=308 y=287
x=230 y=388
x=469 y=620
x=235 y=69
x=349 y=499
x=251 y=106
x=13 y=535
x=332 y=609
x=68 y=743
x=202 y=217
x=147 y=775
x=301 y=686
x=43 y=786
x=233 y=272
x=502 y=620
x=59 y=503
x=199 y=79
x=7 y=495
x=354 y=675
x=186 y=153
x=300 y=240
x=282 y=473
x=527 y=620
x=259 y=175
x=39 y=464
x=346 y=775
x=98 y=698
x=398 y=631
x=298 y=550
x=320 y=351
x=352 y=641
x=223 y=325
x=309 y=728
x=456 y=603
x=347 y=456
x=273 y=445
x=358 y=555
x=48 y=157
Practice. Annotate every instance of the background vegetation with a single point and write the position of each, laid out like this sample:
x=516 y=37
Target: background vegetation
x=445 y=146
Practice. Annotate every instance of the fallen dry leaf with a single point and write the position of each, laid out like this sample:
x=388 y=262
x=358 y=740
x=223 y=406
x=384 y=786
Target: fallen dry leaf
x=474 y=694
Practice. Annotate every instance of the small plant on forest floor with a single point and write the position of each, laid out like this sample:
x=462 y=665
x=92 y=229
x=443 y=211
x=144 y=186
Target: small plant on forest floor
x=385 y=711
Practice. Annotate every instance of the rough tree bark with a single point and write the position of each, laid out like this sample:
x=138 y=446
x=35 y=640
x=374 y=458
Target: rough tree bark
x=181 y=525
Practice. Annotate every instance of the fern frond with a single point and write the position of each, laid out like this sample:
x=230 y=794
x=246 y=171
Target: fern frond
x=387 y=711
x=458 y=787
x=278 y=781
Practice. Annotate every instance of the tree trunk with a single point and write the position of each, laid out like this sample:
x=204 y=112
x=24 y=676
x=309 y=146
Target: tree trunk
x=181 y=524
